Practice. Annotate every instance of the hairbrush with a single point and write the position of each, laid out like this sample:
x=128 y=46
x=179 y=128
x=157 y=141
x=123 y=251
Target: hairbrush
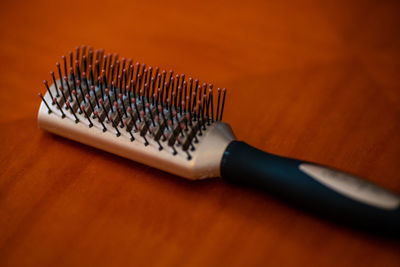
x=175 y=124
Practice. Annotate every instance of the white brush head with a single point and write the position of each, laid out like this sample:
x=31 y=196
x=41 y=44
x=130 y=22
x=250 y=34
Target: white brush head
x=135 y=111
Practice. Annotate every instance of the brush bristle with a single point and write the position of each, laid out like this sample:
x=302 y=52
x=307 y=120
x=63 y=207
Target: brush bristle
x=145 y=102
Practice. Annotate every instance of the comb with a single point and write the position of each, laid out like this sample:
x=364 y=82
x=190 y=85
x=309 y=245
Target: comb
x=175 y=124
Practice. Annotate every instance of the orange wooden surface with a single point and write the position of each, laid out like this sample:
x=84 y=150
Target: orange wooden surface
x=316 y=81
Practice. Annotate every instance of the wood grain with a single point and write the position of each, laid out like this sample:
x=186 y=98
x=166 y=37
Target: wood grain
x=316 y=81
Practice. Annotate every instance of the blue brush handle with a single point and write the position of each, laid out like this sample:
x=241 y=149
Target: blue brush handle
x=329 y=192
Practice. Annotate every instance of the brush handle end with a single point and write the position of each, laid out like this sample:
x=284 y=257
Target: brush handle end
x=324 y=190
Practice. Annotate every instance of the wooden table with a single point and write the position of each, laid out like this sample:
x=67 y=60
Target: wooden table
x=318 y=82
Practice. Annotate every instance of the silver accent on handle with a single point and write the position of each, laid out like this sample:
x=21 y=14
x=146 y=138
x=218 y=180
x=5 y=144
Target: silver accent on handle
x=352 y=187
